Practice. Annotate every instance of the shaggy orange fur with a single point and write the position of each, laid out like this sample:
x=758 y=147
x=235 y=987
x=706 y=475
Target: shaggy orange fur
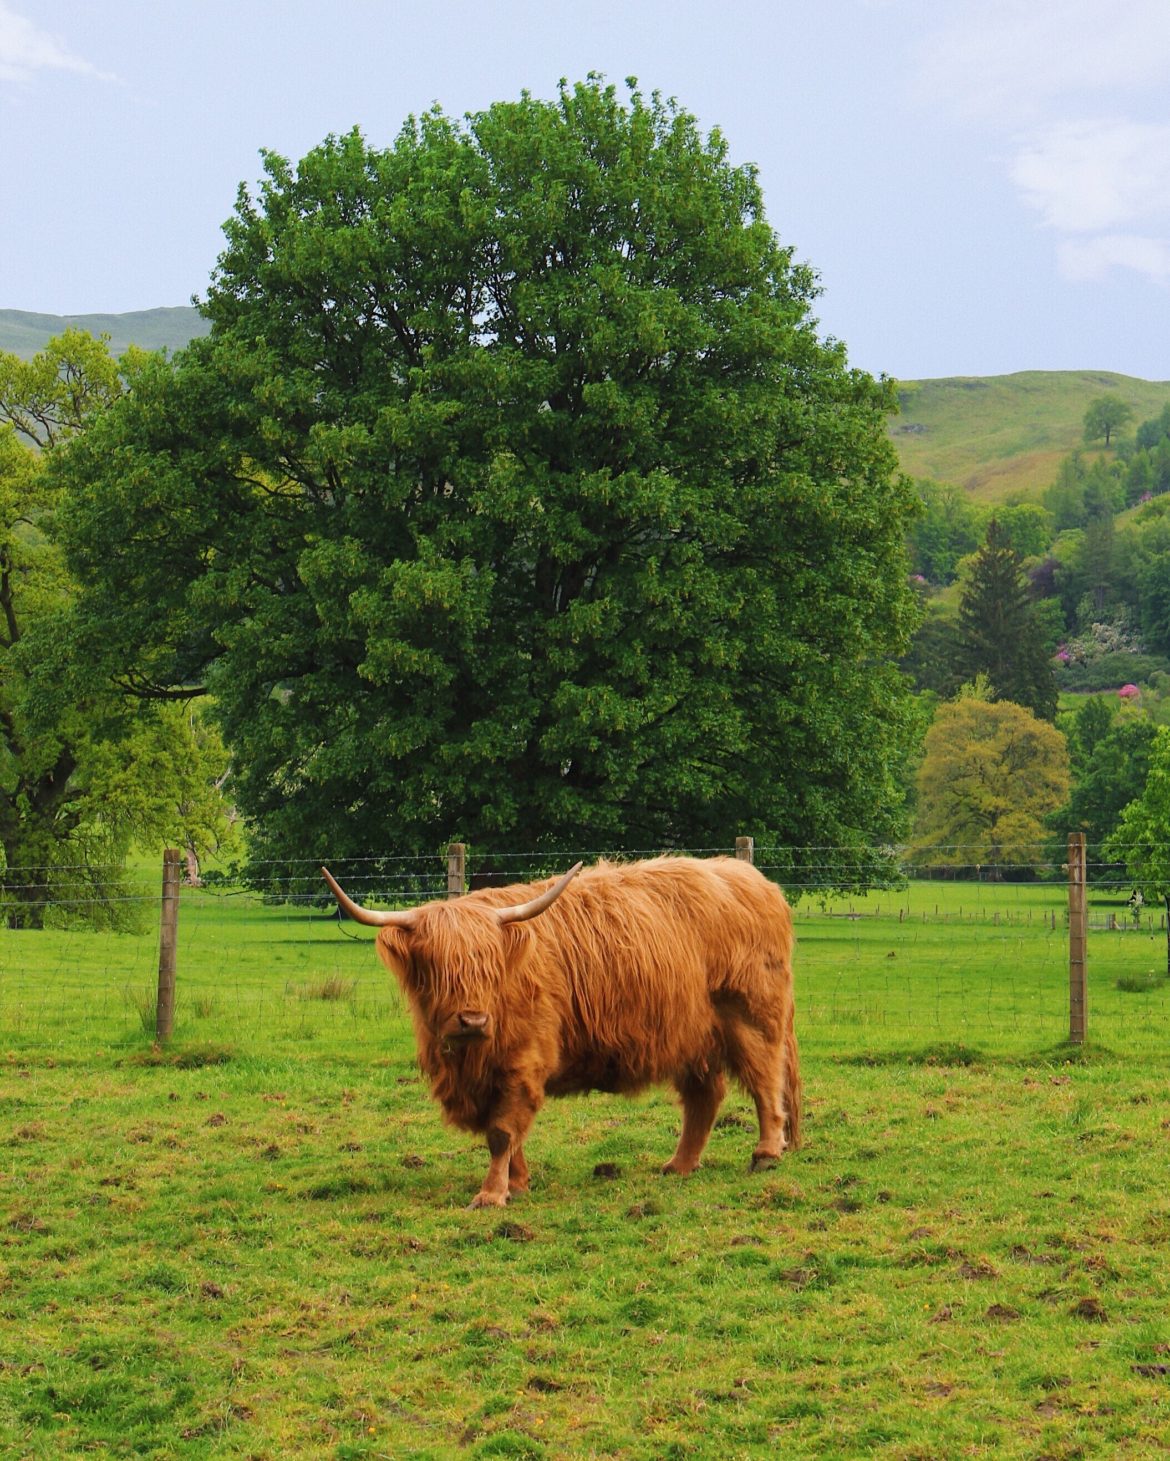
x=673 y=969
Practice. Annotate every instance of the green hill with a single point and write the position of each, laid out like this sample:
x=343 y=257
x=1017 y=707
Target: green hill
x=23 y=333
x=995 y=435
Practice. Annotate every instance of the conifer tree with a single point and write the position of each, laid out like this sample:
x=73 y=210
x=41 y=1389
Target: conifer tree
x=999 y=632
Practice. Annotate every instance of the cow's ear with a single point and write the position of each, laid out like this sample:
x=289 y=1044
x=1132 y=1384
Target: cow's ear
x=394 y=951
x=517 y=944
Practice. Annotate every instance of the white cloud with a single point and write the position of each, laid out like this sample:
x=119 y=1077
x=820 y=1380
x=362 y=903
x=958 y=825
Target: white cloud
x=1006 y=61
x=1032 y=69
x=25 y=50
x=1085 y=261
x=1090 y=176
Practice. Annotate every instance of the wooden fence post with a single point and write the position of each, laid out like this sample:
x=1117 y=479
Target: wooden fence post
x=1077 y=981
x=168 y=940
x=456 y=869
x=745 y=849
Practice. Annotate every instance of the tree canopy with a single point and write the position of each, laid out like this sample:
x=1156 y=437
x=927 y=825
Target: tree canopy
x=82 y=770
x=514 y=497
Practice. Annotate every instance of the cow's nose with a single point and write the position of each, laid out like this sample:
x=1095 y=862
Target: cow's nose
x=472 y=1019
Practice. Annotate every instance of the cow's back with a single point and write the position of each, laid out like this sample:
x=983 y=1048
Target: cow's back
x=641 y=959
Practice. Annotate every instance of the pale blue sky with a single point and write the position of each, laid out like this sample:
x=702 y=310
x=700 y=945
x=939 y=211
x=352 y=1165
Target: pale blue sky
x=983 y=185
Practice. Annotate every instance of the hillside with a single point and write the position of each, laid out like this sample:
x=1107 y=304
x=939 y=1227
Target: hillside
x=995 y=435
x=23 y=333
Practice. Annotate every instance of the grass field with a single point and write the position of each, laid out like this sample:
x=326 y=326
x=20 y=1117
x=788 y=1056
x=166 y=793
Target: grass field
x=256 y=1243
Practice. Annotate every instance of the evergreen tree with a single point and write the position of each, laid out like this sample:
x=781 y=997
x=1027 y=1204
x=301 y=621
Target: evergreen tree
x=998 y=630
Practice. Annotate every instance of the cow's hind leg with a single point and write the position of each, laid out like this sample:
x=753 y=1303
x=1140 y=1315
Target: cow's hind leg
x=760 y=1063
x=700 y=1102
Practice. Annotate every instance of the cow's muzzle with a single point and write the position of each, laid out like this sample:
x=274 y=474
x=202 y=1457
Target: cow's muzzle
x=465 y=1028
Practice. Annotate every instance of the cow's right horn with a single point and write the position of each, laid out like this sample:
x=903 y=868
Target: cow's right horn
x=520 y=911
x=377 y=918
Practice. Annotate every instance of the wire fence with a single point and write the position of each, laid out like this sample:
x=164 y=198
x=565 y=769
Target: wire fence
x=949 y=954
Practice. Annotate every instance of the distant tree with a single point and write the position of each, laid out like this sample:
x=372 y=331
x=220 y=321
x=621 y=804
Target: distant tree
x=948 y=527
x=1048 y=616
x=1027 y=527
x=1097 y=563
x=1104 y=489
x=1065 y=498
x=1106 y=415
x=1156 y=429
x=1091 y=723
x=514 y=497
x=1110 y=762
x=999 y=632
x=1142 y=838
x=991 y=775
x=933 y=658
x=1144 y=553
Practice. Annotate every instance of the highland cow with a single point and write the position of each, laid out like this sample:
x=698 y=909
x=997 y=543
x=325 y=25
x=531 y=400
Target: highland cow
x=608 y=979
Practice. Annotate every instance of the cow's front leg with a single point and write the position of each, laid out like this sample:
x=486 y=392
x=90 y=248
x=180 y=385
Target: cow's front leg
x=517 y=1171
x=505 y=1138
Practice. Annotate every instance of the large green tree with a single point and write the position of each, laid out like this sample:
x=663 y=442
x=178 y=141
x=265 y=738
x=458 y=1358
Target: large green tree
x=1000 y=635
x=514 y=496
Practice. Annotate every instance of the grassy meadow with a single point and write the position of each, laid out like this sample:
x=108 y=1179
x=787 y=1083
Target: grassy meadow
x=256 y=1242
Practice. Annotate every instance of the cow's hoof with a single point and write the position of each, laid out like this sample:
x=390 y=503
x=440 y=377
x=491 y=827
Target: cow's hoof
x=678 y=1169
x=489 y=1199
x=764 y=1162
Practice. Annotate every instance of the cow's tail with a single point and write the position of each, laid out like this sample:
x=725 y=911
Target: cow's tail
x=793 y=1092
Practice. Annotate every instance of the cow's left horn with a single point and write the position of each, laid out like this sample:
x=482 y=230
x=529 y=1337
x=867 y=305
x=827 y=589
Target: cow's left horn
x=521 y=911
x=376 y=917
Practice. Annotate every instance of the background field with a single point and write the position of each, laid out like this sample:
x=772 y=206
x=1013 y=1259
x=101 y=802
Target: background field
x=256 y=1244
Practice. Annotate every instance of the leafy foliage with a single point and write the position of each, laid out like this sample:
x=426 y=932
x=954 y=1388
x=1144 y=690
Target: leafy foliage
x=1110 y=760
x=513 y=497
x=81 y=770
x=1142 y=838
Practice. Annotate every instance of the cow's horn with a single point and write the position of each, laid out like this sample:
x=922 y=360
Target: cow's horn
x=520 y=911
x=377 y=918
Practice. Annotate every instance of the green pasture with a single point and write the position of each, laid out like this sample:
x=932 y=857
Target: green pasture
x=256 y=1243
